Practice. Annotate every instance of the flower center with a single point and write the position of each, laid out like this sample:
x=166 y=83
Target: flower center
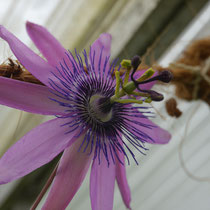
x=98 y=105
x=100 y=108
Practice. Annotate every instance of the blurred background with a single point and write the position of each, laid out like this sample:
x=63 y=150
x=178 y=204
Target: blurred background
x=159 y=30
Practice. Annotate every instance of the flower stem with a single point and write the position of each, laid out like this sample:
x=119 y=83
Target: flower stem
x=44 y=189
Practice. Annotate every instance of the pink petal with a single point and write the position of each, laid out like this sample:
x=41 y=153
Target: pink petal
x=31 y=61
x=28 y=97
x=48 y=45
x=35 y=149
x=154 y=134
x=102 y=181
x=71 y=172
x=103 y=42
x=122 y=179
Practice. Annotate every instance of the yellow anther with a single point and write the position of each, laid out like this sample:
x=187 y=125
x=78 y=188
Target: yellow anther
x=126 y=64
x=146 y=75
x=128 y=101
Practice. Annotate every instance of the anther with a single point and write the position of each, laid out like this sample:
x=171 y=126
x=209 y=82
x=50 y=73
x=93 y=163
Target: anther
x=126 y=64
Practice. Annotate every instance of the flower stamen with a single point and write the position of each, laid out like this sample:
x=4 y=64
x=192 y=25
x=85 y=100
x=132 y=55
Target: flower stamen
x=124 y=87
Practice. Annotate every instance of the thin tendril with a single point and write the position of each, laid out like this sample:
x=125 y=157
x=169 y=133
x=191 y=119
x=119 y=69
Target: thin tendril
x=45 y=188
x=181 y=158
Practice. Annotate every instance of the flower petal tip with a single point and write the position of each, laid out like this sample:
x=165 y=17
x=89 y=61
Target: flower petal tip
x=105 y=39
x=128 y=207
x=30 y=26
x=2 y=32
x=106 y=36
x=28 y=23
x=33 y=28
x=166 y=137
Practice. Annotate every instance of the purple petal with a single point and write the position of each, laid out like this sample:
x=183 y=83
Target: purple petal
x=48 y=45
x=70 y=174
x=28 y=97
x=147 y=130
x=101 y=45
x=35 y=149
x=102 y=181
x=31 y=61
x=122 y=179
